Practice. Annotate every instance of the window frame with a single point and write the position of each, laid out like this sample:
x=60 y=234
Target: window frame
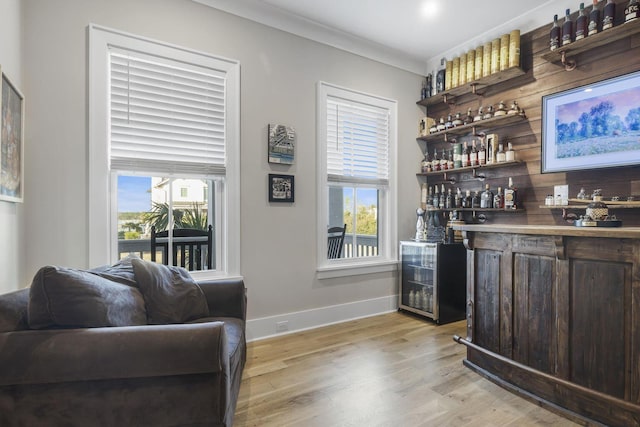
x=387 y=257
x=102 y=224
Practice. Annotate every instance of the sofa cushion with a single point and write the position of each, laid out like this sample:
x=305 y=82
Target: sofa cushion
x=121 y=271
x=13 y=311
x=66 y=297
x=170 y=293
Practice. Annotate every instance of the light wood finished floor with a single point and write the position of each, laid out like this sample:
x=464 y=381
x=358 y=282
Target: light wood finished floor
x=391 y=370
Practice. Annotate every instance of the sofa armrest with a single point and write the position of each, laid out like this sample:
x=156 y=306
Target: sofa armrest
x=63 y=355
x=226 y=298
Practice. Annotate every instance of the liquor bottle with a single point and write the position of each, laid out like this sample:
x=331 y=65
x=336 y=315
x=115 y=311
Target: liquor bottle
x=632 y=11
x=423 y=91
x=435 y=161
x=444 y=163
x=510 y=155
x=582 y=22
x=482 y=154
x=457 y=200
x=428 y=86
x=511 y=196
x=475 y=200
x=609 y=15
x=430 y=197
x=440 y=77
x=473 y=154
x=486 y=198
x=555 y=34
x=423 y=196
x=425 y=165
x=464 y=156
x=450 y=162
x=500 y=155
x=594 y=19
x=448 y=201
x=466 y=202
x=469 y=118
x=441 y=200
x=498 y=199
x=567 y=29
x=448 y=124
x=436 y=197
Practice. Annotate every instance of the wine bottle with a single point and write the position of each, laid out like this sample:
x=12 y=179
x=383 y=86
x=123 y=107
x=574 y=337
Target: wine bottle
x=555 y=34
x=594 y=19
x=567 y=29
x=609 y=15
x=632 y=11
x=486 y=198
x=581 y=24
x=511 y=196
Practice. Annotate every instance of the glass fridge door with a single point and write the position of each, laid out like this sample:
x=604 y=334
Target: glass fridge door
x=418 y=281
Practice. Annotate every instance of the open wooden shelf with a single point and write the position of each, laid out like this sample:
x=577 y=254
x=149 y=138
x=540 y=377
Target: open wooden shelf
x=496 y=121
x=477 y=87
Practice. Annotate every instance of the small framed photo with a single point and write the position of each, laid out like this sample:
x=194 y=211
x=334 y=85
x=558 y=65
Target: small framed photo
x=281 y=188
x=11 y=142
x=281 y=144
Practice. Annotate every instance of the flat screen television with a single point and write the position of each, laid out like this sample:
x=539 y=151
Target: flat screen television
x=592 y=126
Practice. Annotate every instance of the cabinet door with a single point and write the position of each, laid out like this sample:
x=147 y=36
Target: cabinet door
x=486 y=306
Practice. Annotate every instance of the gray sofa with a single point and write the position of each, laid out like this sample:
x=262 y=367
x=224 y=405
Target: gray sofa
x=68 y=358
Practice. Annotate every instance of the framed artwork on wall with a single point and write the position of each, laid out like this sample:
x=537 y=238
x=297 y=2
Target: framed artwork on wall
x=281 y=144
x=281 y=188
x=592 y=126
x=11 y=141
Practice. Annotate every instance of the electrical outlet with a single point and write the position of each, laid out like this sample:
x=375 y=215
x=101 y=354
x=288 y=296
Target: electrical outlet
x=282 y=326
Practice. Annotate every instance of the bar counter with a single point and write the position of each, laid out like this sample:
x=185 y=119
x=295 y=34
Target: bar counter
x=553 y=313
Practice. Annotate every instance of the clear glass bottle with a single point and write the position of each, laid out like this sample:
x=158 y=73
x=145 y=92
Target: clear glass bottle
x=435 y=161
x=554 y=34
x=436 y=197
x=457 y=200
x=444 y=162
x=442 y=199
x=464 y=156
x=582 y=23
x=511 y=196
x=473 y=154
x=423 y=195
x=425 y=164
x=609 y=15
x=567 y=29
x=486 y=198
x=632 y=11
x=450 y=163
x=501 y=156
x=482 y=154
x=594 y=19
x=510 y=155
x=448 y=201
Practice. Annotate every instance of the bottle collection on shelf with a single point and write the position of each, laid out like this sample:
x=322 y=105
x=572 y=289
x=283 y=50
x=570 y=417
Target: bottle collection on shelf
x=598 y=19
x=428 y=126
x=464 y=155
x=492 y=57
x=437 y=198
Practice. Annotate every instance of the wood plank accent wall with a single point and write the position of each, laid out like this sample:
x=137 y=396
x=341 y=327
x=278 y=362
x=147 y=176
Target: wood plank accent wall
x=543 y=78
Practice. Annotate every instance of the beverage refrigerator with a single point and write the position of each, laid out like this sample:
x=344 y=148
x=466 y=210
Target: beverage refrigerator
x=433 y=280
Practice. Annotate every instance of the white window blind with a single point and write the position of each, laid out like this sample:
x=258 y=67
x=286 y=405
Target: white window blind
x=166 y=116
x=357 y=142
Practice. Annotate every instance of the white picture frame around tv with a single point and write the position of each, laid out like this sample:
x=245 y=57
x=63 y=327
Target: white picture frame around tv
x=592 y=126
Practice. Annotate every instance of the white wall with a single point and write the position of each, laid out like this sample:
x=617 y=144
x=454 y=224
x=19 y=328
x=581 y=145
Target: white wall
x=11 y=214
x=279 y=73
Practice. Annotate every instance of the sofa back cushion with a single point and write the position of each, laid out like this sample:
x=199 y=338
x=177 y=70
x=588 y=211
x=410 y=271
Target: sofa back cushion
x=170 y=293
x=13 y=311
x=65 y=297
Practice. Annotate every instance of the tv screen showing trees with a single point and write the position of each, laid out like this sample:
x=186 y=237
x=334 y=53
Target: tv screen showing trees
x=592 y=126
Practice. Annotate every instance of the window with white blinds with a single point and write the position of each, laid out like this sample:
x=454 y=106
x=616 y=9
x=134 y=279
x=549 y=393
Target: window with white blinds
x=357 y=142
x=166 y=116
x=357 y=138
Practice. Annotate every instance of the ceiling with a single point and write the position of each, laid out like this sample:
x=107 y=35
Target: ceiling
x=405 y=33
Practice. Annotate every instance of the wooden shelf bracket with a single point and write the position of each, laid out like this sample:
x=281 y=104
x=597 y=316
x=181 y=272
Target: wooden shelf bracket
x=569 y=64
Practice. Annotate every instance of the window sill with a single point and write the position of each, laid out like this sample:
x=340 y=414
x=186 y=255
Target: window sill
x=352 y=269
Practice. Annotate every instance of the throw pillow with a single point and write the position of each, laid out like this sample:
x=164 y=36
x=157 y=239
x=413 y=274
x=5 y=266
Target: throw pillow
x=170 y=293
x=66 y=297
x=121 y=271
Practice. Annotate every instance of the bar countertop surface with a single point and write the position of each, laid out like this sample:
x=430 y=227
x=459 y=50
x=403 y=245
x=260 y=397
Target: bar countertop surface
x=554 y=230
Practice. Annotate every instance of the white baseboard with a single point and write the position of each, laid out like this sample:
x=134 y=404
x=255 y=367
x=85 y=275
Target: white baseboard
x=282 y=324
